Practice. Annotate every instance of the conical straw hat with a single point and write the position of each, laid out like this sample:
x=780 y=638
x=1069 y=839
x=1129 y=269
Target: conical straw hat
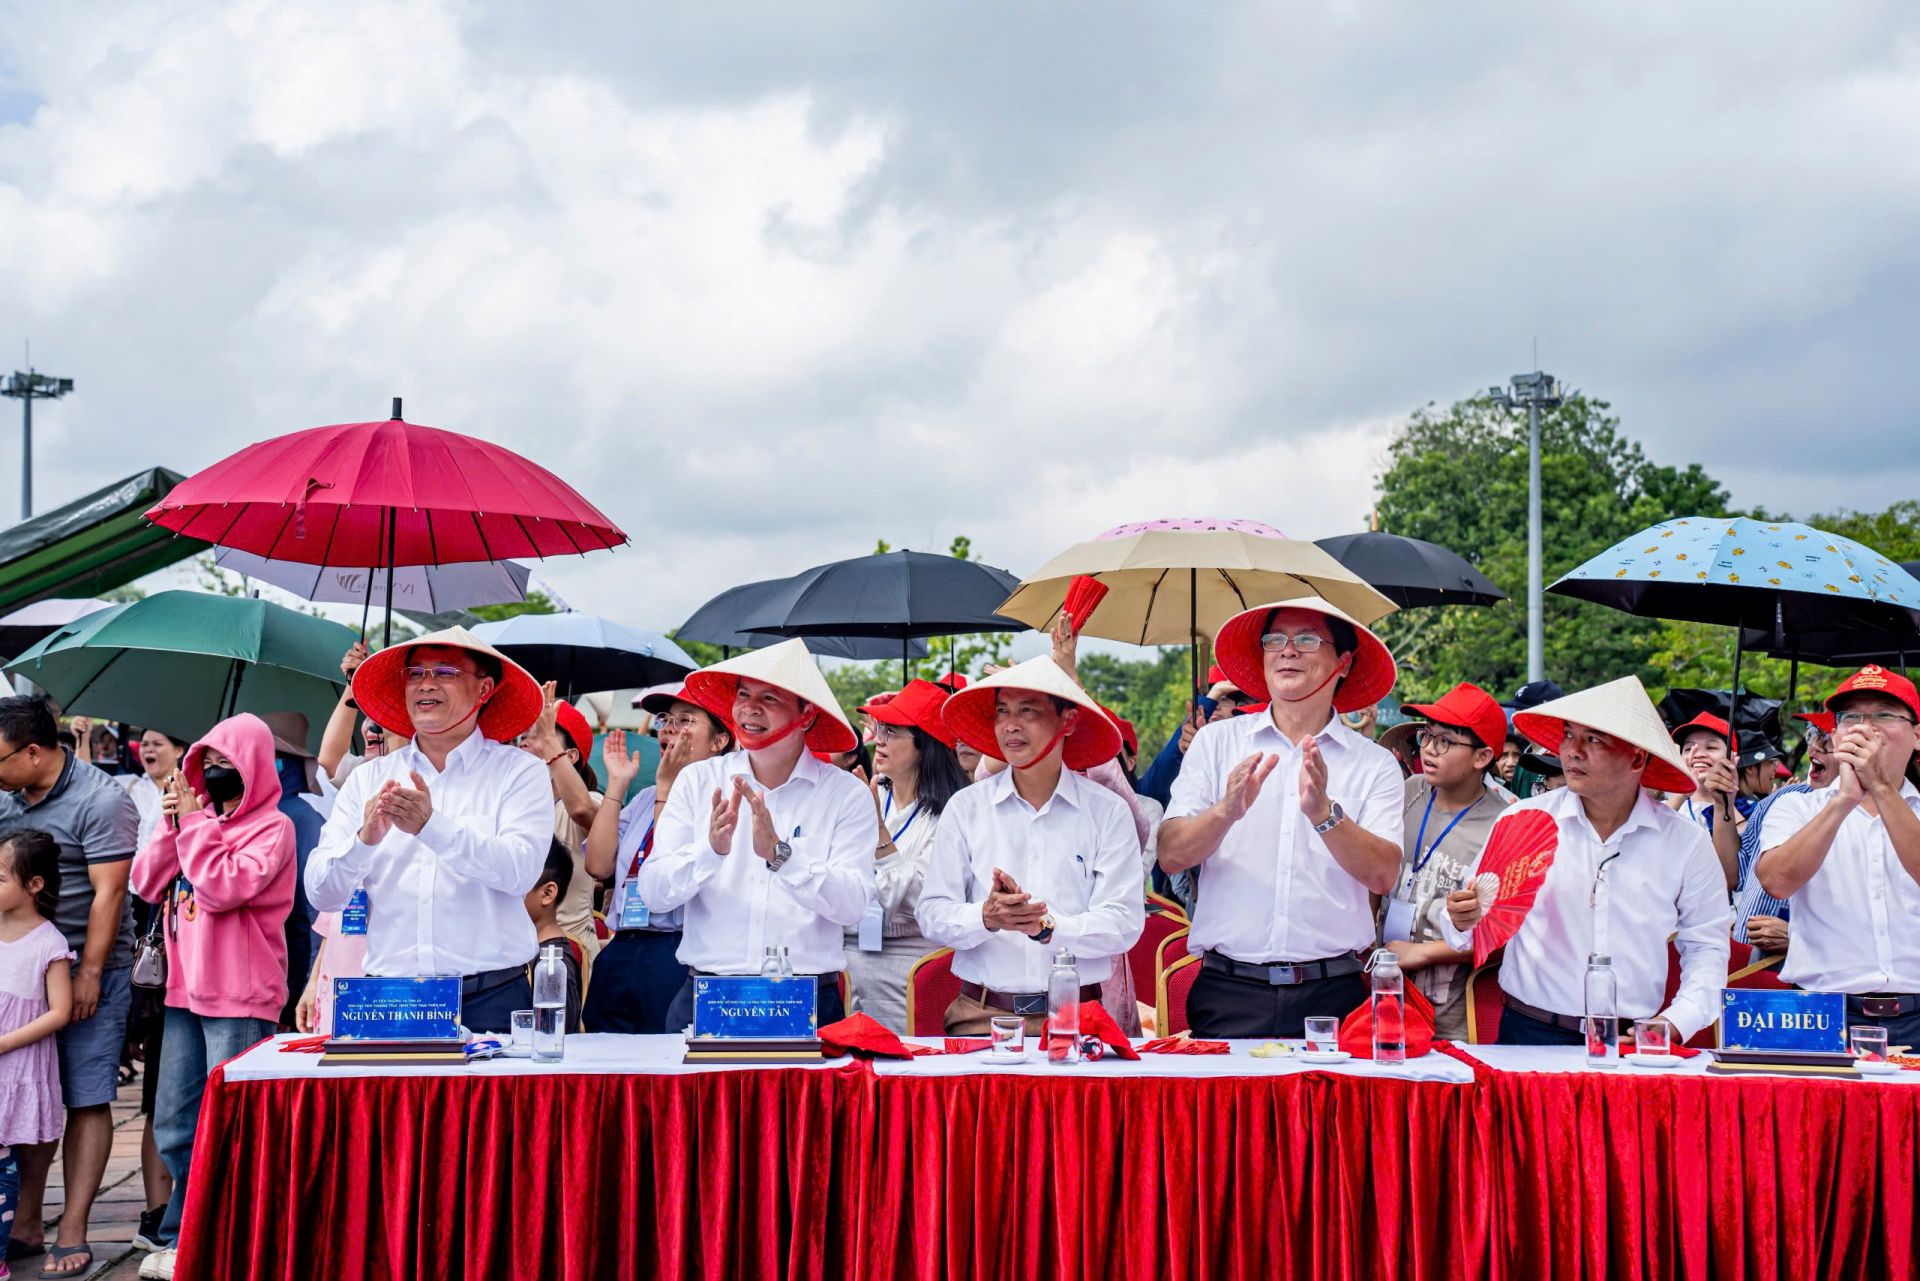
x=380 y=687
x=1237 y=650
x=970 y=713
x=788 y=666
x=1620 y=708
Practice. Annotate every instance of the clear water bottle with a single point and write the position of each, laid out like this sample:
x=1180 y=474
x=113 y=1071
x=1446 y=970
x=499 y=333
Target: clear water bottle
x=770 y=963
x=786 y=962
x=1603 y=1007
x=550 y=1004
x=1387 y=1000
x=1063 y=1010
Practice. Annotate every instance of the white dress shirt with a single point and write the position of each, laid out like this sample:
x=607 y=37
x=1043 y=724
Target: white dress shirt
x=1272 y=893
x=451 y=900
x=1856 y=922
x=1656 y=877
x=736 y=907
x=1078 y=853
x=146 y=796
x=635 y=821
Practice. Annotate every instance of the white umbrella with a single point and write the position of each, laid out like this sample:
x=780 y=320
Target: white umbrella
x=422 y=589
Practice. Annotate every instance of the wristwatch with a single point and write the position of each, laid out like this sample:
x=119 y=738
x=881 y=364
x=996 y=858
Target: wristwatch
x=781 y=853
x=1337 y=817
x=1045 y=932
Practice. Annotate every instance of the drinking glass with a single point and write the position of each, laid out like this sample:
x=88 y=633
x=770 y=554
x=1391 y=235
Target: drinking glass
x=1650 y=1038
x=1323 y=1035
x=521 y=1023
x=1009 y=1034
x=1869 y=1043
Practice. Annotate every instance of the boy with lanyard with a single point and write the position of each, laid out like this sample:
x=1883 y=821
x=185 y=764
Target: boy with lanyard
x=1451 y=807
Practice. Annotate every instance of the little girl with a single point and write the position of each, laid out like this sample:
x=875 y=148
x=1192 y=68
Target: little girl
x=36 y=998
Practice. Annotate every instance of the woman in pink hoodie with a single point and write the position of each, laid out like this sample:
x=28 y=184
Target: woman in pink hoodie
x=221 y=866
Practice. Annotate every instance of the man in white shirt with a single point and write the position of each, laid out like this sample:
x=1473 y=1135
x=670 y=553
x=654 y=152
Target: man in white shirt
x=1848 y=857
x=449 y=833
x=1291 y=819
x=1628 y=873
x=769 y=847
x=1034 y=860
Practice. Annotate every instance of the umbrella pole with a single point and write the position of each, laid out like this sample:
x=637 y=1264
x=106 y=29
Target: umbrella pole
x=1793 y=680
x=366 y=610
x=906 y=644
x=1733 y=698
x=1193 y=628
x=392 y=516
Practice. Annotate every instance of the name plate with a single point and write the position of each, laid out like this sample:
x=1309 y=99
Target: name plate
x=733 y=1007
x=397 y=1009
x=1803 y=1022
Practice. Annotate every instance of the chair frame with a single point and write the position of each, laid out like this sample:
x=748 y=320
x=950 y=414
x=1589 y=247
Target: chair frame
x=1160 y=996
x=912 y=970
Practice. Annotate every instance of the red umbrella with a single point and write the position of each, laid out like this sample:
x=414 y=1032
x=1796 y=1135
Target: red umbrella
x=382 y=494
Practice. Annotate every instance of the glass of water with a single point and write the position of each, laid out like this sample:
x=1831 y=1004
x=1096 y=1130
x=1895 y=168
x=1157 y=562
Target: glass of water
x=1323 y=1035
x=1009 y=1035
x=1869 y=1043
x=1650 y=1038
x=521 y=1023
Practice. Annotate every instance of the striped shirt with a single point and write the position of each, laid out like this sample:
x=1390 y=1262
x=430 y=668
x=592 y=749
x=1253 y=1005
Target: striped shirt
x=1748 y=898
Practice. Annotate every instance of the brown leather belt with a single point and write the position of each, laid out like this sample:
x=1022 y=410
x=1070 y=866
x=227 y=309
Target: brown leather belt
x=1023 y=1003
x=1566 y=1022
x=1887 y=1005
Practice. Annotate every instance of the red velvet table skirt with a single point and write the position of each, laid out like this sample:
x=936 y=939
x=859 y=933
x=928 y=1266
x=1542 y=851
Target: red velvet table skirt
x=842 y=1173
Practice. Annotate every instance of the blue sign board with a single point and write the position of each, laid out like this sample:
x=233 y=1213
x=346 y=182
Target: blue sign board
x=397 y=1009
x=747 y=1006
x=1767 y=1019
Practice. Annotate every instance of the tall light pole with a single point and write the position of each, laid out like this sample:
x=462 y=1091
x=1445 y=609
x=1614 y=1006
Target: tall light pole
x=1537 y=391
x=27 y=388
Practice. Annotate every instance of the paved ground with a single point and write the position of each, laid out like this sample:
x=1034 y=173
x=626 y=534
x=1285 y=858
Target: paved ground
x=116 y=1212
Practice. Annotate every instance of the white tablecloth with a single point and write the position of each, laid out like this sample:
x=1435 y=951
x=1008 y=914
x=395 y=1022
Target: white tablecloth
x=589 y=1053
x=1572 y=1058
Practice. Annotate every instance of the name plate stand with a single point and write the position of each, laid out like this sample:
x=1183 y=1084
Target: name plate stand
x=752 y=1019
x=1767 y=1030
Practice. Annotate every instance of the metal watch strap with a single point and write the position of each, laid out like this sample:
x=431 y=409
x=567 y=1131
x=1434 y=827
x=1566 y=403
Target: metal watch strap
x=781 y=853
x=1333 y=820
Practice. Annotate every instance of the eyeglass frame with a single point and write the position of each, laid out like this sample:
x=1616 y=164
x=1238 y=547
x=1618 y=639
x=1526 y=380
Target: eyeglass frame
x=1422 y=736
x=439 y=671
x=1860 y=720
x=1304 y=642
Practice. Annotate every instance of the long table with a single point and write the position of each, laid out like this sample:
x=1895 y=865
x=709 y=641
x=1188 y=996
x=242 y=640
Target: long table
x=623 y=1162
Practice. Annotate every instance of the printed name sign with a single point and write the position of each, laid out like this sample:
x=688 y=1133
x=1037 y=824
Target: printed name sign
x=397 y=1009
x=746 y=1006
x=1803 y=1022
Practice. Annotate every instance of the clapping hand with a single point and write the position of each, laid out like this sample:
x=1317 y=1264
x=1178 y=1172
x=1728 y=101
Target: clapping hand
x=623 y=765
x=178 y=799
x=726 y=816
x=1857 y=751
x=407 y=808
x=1008 y=907
x=1245 y=782
x=374 y=821
x=543 y=736
x=764 y=837
x=1313 y=782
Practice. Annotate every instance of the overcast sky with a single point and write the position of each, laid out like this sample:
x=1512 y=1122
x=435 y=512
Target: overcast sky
x=768 y=281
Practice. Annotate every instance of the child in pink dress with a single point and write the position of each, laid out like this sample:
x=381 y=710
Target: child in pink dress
x=36 y=999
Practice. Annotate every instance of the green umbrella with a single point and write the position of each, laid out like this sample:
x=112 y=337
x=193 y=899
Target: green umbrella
x=180 y=661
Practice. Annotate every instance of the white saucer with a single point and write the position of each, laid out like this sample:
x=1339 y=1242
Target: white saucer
x=1654 y=1060
x=1866 y=1068
x=1321 y=1056
x=1006 y=1060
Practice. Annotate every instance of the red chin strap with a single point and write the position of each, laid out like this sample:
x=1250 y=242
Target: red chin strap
x=477 y=709
x=1045 y=751
x=797 y=723
x=1331 y=676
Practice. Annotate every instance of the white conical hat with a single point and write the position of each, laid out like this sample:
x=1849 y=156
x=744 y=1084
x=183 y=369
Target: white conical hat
x=1620 y=708
x=788 y=666
x=969 y=713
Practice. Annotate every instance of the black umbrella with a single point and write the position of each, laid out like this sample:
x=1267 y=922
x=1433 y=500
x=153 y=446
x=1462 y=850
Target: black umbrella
x=718 y=623
x=1411 y=571
x=897 y=595
x=1752 y=714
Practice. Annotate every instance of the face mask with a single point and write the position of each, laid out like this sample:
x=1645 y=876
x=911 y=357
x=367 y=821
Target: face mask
x=223 y=783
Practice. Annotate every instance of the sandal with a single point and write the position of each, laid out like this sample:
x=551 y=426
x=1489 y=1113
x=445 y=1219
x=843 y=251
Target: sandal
x=61 y=1253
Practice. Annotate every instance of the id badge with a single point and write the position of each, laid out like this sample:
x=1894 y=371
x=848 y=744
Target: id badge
x=633 y=909
x=353 y=920
x=870 y=940
x=1399 y=920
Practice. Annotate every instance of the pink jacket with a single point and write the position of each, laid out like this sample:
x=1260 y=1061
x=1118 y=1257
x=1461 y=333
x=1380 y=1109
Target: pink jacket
x=226 y=945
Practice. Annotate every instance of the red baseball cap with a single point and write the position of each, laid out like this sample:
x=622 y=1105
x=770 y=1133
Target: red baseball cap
x=1875 y=679
x=1472 y=709
x=1822 y=721
x=1215 y=675
x=1705 y=720
x=953 y=682
x=918 y=705
x=1128 y=734
x=571 y=723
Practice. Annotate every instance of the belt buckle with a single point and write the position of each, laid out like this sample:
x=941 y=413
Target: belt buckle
x=1880 y=1007
x=1284 y=975
x=1028 y=1004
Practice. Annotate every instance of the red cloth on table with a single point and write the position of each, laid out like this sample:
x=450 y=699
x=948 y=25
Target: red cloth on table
x=1185 y=1045
x=1677 y=1050
x=1356 y=1030
x=862 y=1036
x=967 y=1044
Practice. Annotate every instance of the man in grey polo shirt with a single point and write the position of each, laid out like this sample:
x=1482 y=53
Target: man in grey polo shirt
x=95 y=824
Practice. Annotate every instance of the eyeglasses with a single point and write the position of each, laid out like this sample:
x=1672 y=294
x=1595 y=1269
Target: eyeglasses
x=690 y=720
x=885 y=733
x=442 y=673
x=1305 y=642
x=15 y=752
x=1438 y=742
x=1851 y=720
x=1818 y=738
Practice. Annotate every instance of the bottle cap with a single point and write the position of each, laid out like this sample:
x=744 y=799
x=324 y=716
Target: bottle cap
x=1063 y=957
x=1599 y=958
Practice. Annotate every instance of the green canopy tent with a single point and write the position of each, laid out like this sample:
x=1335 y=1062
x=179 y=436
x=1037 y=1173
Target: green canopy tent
x=91 y=545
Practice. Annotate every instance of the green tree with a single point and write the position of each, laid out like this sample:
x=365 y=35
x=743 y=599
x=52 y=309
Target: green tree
x=1458 y=477
x=537 y=602
x=1152 y=692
